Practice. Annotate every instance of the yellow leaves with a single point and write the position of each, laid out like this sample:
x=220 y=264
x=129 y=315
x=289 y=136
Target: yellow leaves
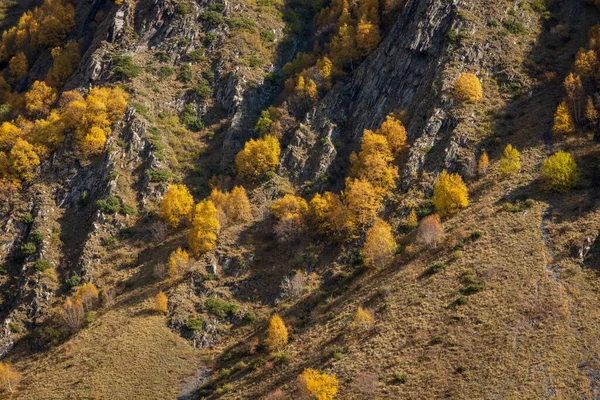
x=87 y=294
x=39 y=98
x=380 y=245
x=93 y=143
x=450 y=194
x=9 y=378
x=18 y=67
x=312 y=93
x=559 y=172
x=161 y=303
x=395 y=133
x=510 y=162
x=320 y=385
x=367 y=36
x=21 y=161
x=176 y=205
x=65 y=61
x=258 y=158
x=331 y=216
x=591 y=114
x=467 y=88
x=362 y=200
x=9 y=133
x=563 y=123
x=373 y=163
x=483 y=164
x=412 y=220
x=205 y=226
x=179 y=263
x=277 y=334
x=233 y=206
x=586 y=62
x=363 y=320
x=289 y=205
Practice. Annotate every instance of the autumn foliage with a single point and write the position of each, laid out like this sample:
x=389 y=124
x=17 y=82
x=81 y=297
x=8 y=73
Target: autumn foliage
x=205 y=227
x=467 y=88
x=179 y=263
x=176 y=205
x=9 y=378
x=510 y=162
x=563 y=122
x=380 y=245
x=318 y=384
x=277 y=334
x=450 y=194
x=559 y=172
x=161 y=303
x=258 y=157
x=363 y=319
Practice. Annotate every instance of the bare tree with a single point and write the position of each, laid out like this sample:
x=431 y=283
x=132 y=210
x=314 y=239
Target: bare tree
x=73 y=313
x=430 y=231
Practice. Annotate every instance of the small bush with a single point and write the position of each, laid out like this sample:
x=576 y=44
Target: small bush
x=42 y=265
x=196 y=55
x=124 y=68
x=242 y=23
x=183 y=8
x=472 y=289
x=436 y=267
x=203 y=89
x=165 y=72
x=194 y=324
x=25 y=250
x=400 y=378
x=461 y=301
x=73 y=281
x=185 y=75
x=110 y=205
x=559 y=172
x=128 y=210
x=212 y=17
x=476 y=235
x=514 y=27
x=27 y=218
x=37 y=237
x=161 y=175
x=220 y=308
x=267 y=36
x=257 y=363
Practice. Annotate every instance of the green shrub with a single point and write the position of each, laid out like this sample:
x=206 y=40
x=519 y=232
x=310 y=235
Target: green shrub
x=400 y=378
x=472 y=289
x=280 y=357
x=128 y=210
x=436 y=267
x=203 y=89
x=220 y=308
x=212 y=17
x=456 y=37
x=476 y=235
x=165 y=71
x=161 y=56
x=161 y=175
x=257 y=363
x=190 y=120
x=514 y=27
x=249 y=317
x=124 y=68
x=217 y=7
x=194 y=324
x=185 y=74
x=208 y=75
x=27 y=218
x=196 y=56
x=25 y=250
x=110 y=205
x=42 y=265
x=183 y=8
x=37 y=237
x=461 y=301
x=267 y=36
x=73 y=281
x=241 y=23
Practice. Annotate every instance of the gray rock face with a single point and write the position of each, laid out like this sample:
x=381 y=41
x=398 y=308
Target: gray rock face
x=399 y=75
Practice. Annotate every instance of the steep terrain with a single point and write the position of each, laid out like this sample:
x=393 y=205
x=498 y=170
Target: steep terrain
x=510 y=311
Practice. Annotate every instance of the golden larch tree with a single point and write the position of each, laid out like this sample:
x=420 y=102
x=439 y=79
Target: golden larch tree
x=18 y=67
x=161 y=303
x=559 y=172
x=9 y=378
x=450 y=194
x=237 y=205
x=22 y=160
x=179 y=263
x=176 y=205
x=330 y=216
x=467 y=88
x=483 y=164
x=87 y=294
x=380 y=245
x=318 y=384
x=510 y=162
x=367 y=36
x=586 y=62
x=258 y=157
x=39 y=98
x=395 y=133
x=277 y=334
x=205 y=227
x=362 y=200
x=412 y=220
x=374 y=163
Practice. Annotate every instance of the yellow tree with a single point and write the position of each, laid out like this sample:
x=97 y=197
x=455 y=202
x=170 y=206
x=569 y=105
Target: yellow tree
x=22 y=160
x=373 y=163
x=179 y=263
x=380 y=246
x=343 y=46
x=205 y=226
x=258 y=157
x=311 y=90
x=325 y=67
x=176 y=205
x=362 y=200
x=586 y=62
x=18 y=66
x=367 y=36
x=65 y=61
x=450 y=193
x=319 y=384
x=395 y=133
x=9 y=378
x=467 y=88
x=559 y=172
x=87 y=294
x=92 y=144
x=237 y=205
x=277 y=334
x=363 y=319
x=291 y=212
x=161 y=303
x=9 y=133
x=575 y=94
x=483 y=164
x=563 y=123
x=510 y=162
x=289 y=205
x=39 y=98
x=330 y=216
x=591 y=114
x=412 y=220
